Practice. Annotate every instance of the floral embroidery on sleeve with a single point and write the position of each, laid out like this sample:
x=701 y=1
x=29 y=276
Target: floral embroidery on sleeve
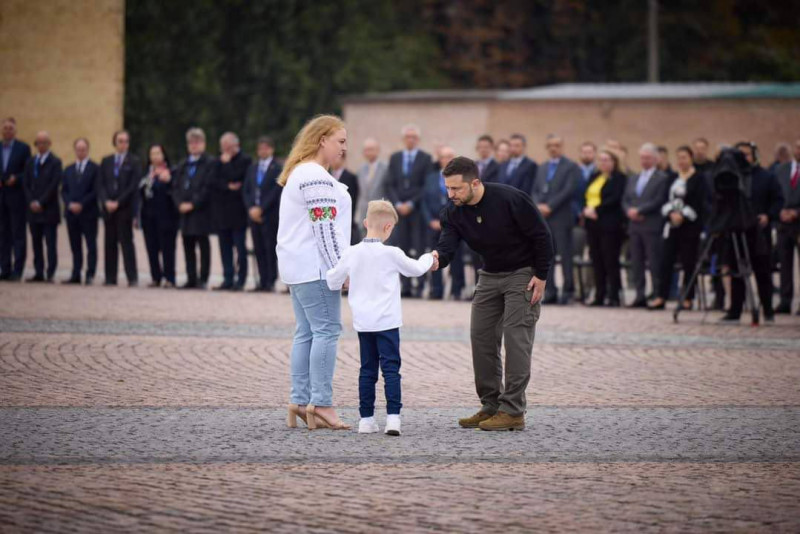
x=324 y=213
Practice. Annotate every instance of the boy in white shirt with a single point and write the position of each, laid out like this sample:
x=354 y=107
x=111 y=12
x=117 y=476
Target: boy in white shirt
x=374 y=270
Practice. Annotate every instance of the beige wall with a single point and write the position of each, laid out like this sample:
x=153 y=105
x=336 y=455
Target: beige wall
x=63 y=70
x=667 y=122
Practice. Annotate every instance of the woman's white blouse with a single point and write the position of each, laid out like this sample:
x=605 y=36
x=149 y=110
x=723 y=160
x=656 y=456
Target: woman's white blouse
x=314 y=224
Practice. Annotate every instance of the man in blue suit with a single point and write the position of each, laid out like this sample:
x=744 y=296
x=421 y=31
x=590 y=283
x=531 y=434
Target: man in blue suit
x=41 y=182
x=12 y=203
x=79 y=191
x=520 y=170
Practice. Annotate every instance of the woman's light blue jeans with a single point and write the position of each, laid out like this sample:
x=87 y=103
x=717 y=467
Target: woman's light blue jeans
x=317 y=312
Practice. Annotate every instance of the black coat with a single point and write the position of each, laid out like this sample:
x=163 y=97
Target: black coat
x=492 y=172
x=197 y=190
x=268 y=195
x=228 y=206
x=121 y=188
x=155 y=200
x=523 y=176
x=351 y=181
x=81 y=189
x=766 y=194
x=44 y=189
x=609 y=213
x=696 y=198
x=402 y=188
x=17 y=163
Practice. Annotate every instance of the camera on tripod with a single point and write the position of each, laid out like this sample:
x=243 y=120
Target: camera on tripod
x=732 y=179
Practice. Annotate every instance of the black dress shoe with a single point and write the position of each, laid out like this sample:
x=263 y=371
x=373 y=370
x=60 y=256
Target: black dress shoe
x=224 y=287
x=405 y=294
x=662 y=306
x=784 y=309
x=435 y=297
x=36 y=278
x=189 y=285
x=5 y=276
x=596 y=303
x=730 y=319
x=72 y=280
x=614 y=303
x=237 y=287
x=638 y=304
x=110 y=284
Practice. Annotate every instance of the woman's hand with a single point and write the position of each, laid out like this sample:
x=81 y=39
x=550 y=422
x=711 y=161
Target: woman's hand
x=590 y=213
x=676 y=218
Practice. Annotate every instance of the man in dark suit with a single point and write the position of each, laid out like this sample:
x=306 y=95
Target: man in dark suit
x=519 y=171
x=349 y=179
x=194 y=177
x=118 y=181
x=79 y=191
x=42 y=178
x=262 y=197
x=230 y=216
x=13 y=208
x=553 y=193
x=488 y=168
x=405 y=184
x=644 y=196
x=789 y=226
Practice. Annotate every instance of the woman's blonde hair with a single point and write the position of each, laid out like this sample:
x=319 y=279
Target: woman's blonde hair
x=306 y=143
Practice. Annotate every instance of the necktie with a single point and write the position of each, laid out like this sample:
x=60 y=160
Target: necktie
x=512 y=166
x=371 y=172
x=481 y=168
x=641 y=183
x=117 y=164
x=260 y=176
x=551 y=170
x=407 y=163
x=36 y=166
x=795 y=177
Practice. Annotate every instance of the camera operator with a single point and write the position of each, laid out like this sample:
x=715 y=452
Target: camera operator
x=737 y=189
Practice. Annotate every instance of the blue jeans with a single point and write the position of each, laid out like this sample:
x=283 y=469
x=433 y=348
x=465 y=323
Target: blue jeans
x=379 y=349
x=317 y=312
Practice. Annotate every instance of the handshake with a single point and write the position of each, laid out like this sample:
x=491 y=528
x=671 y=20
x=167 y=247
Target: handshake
x=435 y=266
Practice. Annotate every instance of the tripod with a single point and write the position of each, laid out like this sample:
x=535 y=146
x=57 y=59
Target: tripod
x=744 y=270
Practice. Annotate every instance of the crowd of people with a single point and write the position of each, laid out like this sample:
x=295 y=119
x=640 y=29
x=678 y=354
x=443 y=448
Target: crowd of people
x=604 y=217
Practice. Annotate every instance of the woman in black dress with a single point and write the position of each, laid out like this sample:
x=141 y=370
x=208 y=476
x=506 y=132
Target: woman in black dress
x=159 y=217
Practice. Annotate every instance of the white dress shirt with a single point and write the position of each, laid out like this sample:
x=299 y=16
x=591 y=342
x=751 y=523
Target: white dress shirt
x=374 y=270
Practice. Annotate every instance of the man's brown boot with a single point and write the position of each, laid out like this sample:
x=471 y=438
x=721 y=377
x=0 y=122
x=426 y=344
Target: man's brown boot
x=503 y=421
x=475 y=420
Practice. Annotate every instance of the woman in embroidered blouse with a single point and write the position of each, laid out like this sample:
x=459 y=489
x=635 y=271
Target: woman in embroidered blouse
x=605 y=227
x=685 y=212
x=313 y=232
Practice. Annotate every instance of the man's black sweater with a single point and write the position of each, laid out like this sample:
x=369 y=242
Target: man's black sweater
x=505 y=228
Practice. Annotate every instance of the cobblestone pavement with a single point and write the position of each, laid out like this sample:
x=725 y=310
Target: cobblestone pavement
x=151 y=410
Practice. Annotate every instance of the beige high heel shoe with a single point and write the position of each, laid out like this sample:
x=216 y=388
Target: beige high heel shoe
x=316 y=419
x=294 y=413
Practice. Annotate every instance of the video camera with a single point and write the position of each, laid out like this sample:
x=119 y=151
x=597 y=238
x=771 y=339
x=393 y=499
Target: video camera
x=732 y=210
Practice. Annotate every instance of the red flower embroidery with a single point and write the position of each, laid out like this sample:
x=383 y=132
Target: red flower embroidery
x=333 y=212
x=317 y=213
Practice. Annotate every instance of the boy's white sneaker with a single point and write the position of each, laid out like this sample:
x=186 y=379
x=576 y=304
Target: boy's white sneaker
x=367 y=425
x=392 y=425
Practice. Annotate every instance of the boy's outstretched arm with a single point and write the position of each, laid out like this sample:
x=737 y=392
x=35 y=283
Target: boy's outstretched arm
x=411 y=267
x=335 y=277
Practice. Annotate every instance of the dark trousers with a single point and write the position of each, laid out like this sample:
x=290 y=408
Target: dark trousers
x=379 y=350
x=604 y=249
x=562 y=240
x=228 y=240
x=265 y=239
x=645 y=250
x=82 y=228
x=119 y=234
x=190 y=242
x=683 y=243
x=13 y=244
x=408 y=236
x=457 y=278
x=159 y=237
x=787 y=245
x=759 y=259
x=44 y=232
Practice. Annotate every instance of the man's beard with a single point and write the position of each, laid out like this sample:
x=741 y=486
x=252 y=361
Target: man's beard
x=468 y=199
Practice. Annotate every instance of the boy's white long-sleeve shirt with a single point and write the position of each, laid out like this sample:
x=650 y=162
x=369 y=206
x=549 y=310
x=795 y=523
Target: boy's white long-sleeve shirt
x=374 y=270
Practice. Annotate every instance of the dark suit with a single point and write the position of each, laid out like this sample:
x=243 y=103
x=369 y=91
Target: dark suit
x=409 y=187
x=788 y=234
x=645 y=236
x=558 y=194
x=491 y=171
x=159 y=219
x=230 y=218
x=522 y=177
x=433 y=201
x=119 y=183
x=267 y=196
x=12 y=212
x=351 y=181
x=193 y=184
x=41 y=183
x=604 y=237
x=81 y=188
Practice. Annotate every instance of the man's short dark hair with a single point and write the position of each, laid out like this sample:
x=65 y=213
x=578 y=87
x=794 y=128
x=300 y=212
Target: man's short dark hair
x=117 y=134
x=662 y=149
x=702 y=140
x=685 y=148
x=463 y=166
x=74 y=143
x=266 y=140
x=520 y=137
x=486 y=137
x=589 y=143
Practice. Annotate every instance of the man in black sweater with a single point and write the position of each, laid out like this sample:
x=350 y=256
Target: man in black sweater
x=503 y=225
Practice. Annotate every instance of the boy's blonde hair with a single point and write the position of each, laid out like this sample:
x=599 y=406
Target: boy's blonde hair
x=380 y=212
